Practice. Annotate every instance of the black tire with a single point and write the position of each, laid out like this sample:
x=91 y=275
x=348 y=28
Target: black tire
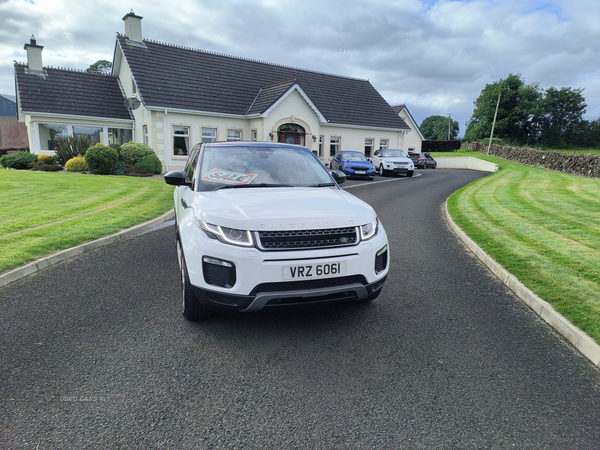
x=410 y=173
x=191 y=307
x=382 y=172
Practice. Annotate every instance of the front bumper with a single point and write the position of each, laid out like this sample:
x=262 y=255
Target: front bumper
x=298 y=294
x=258 y=278
x=368 y=173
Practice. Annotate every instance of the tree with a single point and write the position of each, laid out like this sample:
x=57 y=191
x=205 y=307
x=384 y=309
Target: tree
x=519 y=111
x=562 y=119
x=102 y=67
x=436 y=128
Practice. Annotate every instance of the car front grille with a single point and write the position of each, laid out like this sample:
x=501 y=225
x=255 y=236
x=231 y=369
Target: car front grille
x=307 y=239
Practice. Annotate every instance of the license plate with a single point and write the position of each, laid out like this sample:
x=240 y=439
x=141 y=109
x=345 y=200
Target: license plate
x=359 y=172
x=312 y=271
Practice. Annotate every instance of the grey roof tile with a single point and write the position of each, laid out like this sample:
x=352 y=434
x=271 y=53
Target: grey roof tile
x=268 y=95
x=70 y=92
x=181 y=78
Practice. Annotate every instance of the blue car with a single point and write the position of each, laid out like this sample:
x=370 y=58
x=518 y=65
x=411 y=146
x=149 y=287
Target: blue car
x=353 y=164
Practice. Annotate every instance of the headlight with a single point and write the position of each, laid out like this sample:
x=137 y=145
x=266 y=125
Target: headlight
x=228 y=235
x=369 y=230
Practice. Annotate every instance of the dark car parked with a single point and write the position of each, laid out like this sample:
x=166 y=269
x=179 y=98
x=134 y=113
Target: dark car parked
x=353 y=164
x=422 y=160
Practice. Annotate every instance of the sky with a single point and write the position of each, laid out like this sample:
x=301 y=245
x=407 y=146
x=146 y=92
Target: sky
x=434 y=56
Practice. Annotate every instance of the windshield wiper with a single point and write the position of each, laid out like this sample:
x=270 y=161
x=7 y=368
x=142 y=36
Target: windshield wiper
x=239 y=186
x=322 y=185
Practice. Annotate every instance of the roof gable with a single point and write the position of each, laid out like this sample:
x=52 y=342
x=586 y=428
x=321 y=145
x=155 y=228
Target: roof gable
x=68 y=92
x=398 y=109
x=187 y=79
x=268 y=95
x=272 y=96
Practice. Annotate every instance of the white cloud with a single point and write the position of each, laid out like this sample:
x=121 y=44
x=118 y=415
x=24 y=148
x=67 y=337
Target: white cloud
x=435 y=56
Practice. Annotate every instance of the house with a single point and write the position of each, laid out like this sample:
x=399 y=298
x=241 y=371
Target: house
x=172 y=97
x=413 y=139
x=13 y=135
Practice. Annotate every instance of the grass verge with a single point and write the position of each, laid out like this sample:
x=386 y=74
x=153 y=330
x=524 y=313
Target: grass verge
x=544 y=228
x=43 y=212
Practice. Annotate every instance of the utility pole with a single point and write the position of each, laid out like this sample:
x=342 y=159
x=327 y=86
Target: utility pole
x=494 y=122
x=449 y=120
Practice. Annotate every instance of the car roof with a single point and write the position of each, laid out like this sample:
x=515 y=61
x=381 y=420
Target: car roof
x=253 y=144
x=352 y=151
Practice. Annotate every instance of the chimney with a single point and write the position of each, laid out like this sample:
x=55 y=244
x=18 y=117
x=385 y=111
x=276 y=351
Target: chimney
x=34 y=55
x=133 y=26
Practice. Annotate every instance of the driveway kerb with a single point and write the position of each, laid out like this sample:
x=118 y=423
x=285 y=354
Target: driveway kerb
x=580 y=340
x=63 y=255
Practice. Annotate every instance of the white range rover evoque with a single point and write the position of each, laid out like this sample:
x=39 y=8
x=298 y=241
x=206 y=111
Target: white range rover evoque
x=263 y=225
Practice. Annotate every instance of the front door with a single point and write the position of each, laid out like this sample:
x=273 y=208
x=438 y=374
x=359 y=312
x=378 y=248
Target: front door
x=290 y=133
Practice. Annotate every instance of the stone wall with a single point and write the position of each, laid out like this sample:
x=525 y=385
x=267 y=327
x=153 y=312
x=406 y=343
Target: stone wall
x=584 y=165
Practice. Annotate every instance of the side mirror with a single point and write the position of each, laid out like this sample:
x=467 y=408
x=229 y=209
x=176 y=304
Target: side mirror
x=369 y=159
x=176 y=178
x=338 y=176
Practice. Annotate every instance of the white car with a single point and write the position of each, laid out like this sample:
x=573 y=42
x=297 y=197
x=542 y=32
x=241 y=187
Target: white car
x=263 y=225
x=389 y=161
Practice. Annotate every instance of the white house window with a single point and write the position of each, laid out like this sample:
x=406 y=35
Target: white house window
x=368 y=147
x=145 y=129
x=209 y=134
x=96 y=134
x=119 y=136
x=50 y=133
x=334 y=145
x=234 y=135
x=254 y=135
x=383 y=144
x=181 y=140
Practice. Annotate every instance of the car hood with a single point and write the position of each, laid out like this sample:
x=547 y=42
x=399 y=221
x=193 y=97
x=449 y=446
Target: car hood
x=396 y=159
x=258 y=209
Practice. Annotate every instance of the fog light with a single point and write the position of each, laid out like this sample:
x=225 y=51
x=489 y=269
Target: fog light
x=218 y=272
x=381 y=260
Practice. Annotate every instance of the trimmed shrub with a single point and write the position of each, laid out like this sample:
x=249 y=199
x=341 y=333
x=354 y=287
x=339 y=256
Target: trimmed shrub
x=101 y=160
x=45 y=159
x=440 y=146
x=133 y=152
x=76 y=164
x=121 y=168
x=71 y=147
x=19 y=160
x=46 y=167
x=149 y=163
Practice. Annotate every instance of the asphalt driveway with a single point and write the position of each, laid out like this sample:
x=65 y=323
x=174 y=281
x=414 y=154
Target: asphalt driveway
x=94 y=353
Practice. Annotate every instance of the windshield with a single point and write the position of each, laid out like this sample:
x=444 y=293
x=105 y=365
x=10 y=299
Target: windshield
x=353 y=156
x=394 y=154
x=242 y=166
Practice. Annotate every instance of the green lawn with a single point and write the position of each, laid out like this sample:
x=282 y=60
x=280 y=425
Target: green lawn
x=43 y=212
x=544 y=228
